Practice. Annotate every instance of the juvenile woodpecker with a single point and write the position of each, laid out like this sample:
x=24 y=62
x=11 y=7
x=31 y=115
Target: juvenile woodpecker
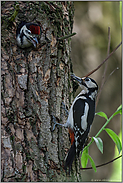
x=26 y=34
x=80 y=118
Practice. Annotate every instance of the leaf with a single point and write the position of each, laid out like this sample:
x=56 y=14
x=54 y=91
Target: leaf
x=92 y=163
x=102 y=114
x=99 y=143
x=118 y=111
x=119 y=108
x=115 y=138
x=84 y=158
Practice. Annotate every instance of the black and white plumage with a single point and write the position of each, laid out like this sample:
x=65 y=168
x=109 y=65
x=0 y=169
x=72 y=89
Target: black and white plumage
x=80 y=117
x=26 y=34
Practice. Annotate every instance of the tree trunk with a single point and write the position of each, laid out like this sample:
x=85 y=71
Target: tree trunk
x=34 y=85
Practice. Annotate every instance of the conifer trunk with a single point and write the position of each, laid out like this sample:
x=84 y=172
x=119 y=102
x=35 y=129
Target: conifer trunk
x=34 y=85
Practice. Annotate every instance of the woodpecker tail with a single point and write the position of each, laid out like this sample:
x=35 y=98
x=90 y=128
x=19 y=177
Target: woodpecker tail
x=70 y=157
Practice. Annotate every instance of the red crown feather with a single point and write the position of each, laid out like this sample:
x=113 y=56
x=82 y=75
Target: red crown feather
x=35 y=29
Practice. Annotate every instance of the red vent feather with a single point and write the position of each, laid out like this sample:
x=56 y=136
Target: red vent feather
x=71 y=136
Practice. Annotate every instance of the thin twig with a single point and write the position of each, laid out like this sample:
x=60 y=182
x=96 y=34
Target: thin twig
x=106 y=65
x=103 y=61
x=88 y=168
x=111 y=74
x=67 y=36
x=12 y=18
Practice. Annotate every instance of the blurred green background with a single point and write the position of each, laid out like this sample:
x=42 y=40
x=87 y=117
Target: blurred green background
x=89 y=49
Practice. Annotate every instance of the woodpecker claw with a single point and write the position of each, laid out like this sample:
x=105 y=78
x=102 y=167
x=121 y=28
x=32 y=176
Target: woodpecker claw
x=54 y=120
x=53 y=127
x=64 y=107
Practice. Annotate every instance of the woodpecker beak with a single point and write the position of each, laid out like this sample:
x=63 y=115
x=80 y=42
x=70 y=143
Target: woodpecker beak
x=34 y=41
x=78 y=79
x=83 y=80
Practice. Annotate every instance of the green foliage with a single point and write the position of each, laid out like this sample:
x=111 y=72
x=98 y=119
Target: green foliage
x=92 y=163
x=115 y=138
x=84 y=160
x=85 y=156
x=102 y=114
x=117 y=165
x=99 y=143
x=118 y=111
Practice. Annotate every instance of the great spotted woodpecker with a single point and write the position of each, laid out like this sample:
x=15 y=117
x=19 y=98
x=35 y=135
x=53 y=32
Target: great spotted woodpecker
x=26 y=34
x=80 y=118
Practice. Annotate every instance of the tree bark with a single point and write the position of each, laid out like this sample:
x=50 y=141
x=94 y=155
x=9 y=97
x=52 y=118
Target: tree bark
x=34 y=85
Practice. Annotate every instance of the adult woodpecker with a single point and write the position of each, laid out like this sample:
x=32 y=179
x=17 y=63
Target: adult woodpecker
x=26 y=34
x=80 y=118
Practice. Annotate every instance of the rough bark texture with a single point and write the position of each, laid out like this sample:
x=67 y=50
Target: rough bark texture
x=34 y=84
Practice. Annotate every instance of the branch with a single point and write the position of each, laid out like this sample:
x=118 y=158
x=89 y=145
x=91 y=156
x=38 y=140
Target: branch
x=67 y=36
x=103 y=61
x=111 y=73
x=88 y=168
x=12 y=18
x=106 y=65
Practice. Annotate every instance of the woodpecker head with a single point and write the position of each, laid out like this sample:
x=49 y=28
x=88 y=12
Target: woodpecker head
x=26 y=34
x=90 y=86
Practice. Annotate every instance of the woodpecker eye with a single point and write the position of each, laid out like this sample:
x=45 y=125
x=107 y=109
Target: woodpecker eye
x=28 y=31
x=87 y=79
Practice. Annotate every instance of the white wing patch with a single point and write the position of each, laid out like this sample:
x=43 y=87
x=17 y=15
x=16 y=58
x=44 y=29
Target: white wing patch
x=70 y=122
x=84 y=117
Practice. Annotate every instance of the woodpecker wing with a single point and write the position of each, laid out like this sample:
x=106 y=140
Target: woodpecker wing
x=83 y=114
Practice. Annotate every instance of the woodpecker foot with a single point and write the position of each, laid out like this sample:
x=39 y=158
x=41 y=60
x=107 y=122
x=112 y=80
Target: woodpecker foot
x=54 y=120
x=64 y=107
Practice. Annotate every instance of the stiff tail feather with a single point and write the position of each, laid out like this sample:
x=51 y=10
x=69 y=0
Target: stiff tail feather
x=70 y=157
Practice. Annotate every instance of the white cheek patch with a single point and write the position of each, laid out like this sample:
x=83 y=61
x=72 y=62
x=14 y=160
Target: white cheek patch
x=84 y=117
x=91 y=84
x=26 y=42
x=23 y=29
